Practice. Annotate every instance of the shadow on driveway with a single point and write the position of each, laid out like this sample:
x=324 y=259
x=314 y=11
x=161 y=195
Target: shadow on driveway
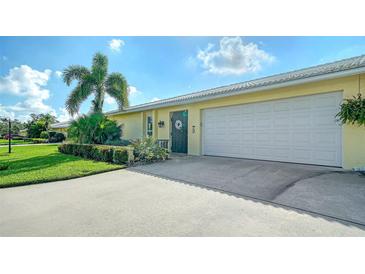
x=330 y=192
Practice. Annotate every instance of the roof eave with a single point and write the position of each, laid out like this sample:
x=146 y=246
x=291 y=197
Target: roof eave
x=317 y=78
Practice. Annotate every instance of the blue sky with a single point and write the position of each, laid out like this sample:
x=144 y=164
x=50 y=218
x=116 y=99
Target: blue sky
x=155 y=67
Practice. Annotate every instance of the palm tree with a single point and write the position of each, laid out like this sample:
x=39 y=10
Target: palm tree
x=48 y=119
x=95 y=81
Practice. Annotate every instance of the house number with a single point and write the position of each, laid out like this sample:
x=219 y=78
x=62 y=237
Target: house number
x=178 y=124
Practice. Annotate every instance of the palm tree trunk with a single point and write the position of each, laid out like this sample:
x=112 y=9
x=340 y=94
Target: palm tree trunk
x=98 y=101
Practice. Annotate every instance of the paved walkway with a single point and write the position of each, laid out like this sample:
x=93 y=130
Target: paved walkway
x=127 y=203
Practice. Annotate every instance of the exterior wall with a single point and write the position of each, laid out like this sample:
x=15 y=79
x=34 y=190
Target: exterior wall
x=62 y=130
x=353 y=137
x=132 y=125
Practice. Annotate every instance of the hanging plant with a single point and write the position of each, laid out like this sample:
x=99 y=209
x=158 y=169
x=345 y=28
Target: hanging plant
x=352 y=111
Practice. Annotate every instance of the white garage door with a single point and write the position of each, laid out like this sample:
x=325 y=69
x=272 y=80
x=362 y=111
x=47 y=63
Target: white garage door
x=300 y=130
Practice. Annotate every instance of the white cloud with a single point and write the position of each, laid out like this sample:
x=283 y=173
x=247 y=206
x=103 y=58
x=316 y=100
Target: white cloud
x=233 y=57
x=116 y=44
x=6 y=113
x=65 y=115
x=58 y=73
x=27 y=83
x=109 y=100
x=133 y=91
x=154 y=99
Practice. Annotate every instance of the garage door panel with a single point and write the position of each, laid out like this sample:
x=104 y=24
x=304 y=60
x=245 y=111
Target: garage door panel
x=249 y=151
x=263 y=122
x=300 y=103
x=264 y=151
x=248 y=137
x=265 y=107
x=301 y=154
x=281 y=153
x=263 y=138
x=325 y=118
x=248 y=123
x=326 y=157
x=301 y=138
x=235 y=137
x=300 y=119
x=281 y=106
x=301 y=129
x=249 y=110
x=325 y=101
x=325 y=138
x=281 y=138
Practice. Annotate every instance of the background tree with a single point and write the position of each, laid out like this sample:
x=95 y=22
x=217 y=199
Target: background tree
x=16 y=126
x=39 y=123
x=95 y=82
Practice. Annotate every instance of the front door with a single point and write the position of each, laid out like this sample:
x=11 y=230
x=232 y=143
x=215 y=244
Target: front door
x=179 y=132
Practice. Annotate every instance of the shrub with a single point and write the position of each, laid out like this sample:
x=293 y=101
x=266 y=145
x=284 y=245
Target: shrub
x=94 y=129
x=38 y=140
x=353 y=111
x=56 y=137
x=148 y=150
x=119 y=142
x=103 y=153
x=118 y=155
x=51 y=133
x=44 y=135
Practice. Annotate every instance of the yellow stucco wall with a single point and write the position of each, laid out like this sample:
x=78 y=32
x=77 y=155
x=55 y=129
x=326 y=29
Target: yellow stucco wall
x=132 y=125
x=353 y=137
x=62 y=130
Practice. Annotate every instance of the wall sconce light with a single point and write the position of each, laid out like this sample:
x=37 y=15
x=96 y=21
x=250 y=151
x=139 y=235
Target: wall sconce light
x=161 y=124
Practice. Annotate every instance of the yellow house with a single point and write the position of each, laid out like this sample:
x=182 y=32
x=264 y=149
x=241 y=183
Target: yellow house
x=288 y=117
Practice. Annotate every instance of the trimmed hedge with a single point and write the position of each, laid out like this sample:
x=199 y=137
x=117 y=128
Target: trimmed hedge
x=111 y=154
x=39 y=140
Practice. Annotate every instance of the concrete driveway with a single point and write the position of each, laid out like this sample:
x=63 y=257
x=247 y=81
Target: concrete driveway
x=128 y=203
x=324 y=190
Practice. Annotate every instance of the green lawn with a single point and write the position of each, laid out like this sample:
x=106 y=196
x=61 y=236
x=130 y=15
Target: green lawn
x=38 y=164
x=14 y=142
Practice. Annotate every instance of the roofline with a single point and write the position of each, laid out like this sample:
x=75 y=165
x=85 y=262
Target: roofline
x=309 y=79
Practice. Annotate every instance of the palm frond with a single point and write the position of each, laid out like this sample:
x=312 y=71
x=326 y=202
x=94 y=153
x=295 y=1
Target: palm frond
x=117 y=88
x=99 y=67
x=79 y=94
x=74 y=72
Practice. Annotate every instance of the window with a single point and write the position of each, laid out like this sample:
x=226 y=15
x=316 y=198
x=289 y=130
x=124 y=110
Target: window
x=149 y=126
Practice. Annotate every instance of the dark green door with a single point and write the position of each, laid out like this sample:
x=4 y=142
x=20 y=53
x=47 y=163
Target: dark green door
x=179 y=132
